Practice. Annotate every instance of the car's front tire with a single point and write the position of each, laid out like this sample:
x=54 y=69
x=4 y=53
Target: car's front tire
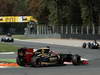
x=76 y=59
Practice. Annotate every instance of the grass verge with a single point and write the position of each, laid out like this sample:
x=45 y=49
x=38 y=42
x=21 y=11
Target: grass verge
x=21 y=37
x=4 y=47
x=8 y=60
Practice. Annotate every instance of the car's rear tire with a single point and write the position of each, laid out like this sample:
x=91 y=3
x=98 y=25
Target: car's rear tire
x=20 y=61
x=60 y=60
x=12 y=40
x=20 y=57
x=84 y=45
x=1 y=40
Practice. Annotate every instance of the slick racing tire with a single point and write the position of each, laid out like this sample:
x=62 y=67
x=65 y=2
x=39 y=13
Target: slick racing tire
x=36 y=62
x=20 y=61
x=21 y=52
x=84 y=45
x=89 y=45
x=2 y=40
x=60 y=60
x=12 y=40
x=76 y=59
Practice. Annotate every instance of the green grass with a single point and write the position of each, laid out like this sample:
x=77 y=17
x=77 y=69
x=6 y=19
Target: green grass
x=21 y=37
x=8 y=60
x=8 y=48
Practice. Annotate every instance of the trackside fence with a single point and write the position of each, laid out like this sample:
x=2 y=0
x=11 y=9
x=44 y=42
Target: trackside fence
x=63 y=31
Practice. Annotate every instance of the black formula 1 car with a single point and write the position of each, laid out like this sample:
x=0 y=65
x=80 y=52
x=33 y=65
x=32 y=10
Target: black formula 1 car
x=91 y=45
x=7 y=38
x=45 y=57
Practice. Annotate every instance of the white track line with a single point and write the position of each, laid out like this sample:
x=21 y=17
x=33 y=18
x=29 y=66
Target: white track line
x=5 y=67
x=8 y=67
x=7 y=52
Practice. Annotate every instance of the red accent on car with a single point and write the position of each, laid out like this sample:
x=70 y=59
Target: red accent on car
x=28 y=55
x=85 y=62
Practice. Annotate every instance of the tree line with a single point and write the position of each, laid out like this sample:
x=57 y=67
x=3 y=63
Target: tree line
x=55 y=12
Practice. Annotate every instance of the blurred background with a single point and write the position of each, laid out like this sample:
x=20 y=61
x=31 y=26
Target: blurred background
x=79 y=19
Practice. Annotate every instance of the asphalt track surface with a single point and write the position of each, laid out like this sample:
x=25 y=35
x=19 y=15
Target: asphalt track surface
x=92 y=69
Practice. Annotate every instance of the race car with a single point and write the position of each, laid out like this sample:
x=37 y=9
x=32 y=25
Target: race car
x=91 y=45
x=45 y=57
x=7 y=38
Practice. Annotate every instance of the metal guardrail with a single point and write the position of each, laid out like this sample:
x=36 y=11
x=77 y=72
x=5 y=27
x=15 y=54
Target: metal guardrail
x=66 y=31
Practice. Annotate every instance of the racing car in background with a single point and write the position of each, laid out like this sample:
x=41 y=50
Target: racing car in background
x=7 y=38
x=91 y=45
x=45 y=57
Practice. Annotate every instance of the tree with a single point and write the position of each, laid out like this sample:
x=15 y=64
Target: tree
x=20 y=7
x=89 y=11
x=13 y=7
x=7 y=7
x=33 y=7
x=43 y=12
